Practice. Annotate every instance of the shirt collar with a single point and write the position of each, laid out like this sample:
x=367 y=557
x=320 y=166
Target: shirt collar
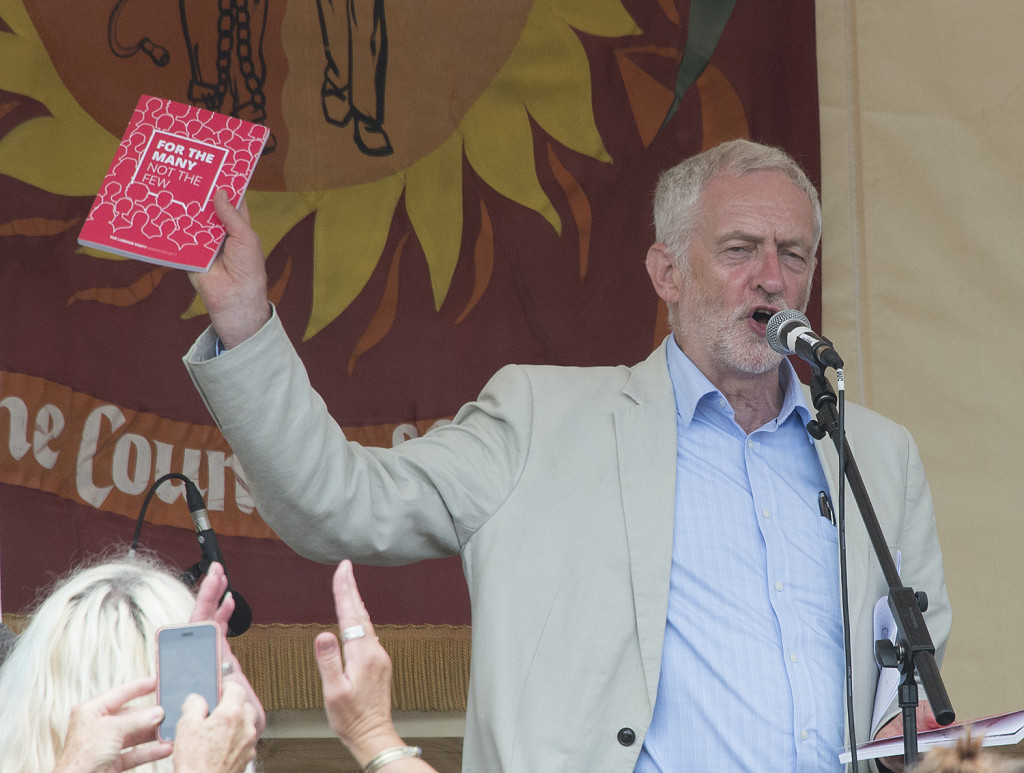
x=691 y=386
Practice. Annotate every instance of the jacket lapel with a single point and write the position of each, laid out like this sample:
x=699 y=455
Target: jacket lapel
x=645 y=430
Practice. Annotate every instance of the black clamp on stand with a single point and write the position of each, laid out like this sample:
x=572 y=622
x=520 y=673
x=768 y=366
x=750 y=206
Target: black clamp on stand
x=913 y=650
x=194 y=573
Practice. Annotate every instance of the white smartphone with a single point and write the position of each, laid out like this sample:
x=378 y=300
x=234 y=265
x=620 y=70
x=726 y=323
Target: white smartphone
x=187 y=661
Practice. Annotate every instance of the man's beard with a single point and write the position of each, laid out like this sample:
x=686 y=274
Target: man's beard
x=728 y=338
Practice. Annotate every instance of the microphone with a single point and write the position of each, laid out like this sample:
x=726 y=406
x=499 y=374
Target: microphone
x=789 y=332
x=241 y=618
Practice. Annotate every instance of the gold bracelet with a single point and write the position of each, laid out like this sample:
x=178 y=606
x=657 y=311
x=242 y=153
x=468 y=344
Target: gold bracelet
x=392 y=755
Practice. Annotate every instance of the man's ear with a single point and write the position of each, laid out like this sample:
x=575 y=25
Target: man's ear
x=664 y=274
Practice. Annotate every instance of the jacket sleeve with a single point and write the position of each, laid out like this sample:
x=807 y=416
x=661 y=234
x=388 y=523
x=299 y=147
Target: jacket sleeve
x=329 y=498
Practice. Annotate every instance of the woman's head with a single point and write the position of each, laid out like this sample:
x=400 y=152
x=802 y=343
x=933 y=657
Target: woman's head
x=94 y=630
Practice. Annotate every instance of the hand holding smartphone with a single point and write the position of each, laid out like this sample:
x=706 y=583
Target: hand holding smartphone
x=188 y=661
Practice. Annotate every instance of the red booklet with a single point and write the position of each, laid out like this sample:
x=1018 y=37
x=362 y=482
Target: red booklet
x=156 y=202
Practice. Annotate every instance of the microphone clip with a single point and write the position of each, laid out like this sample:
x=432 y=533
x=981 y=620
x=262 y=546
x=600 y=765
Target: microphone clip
x=194 y=573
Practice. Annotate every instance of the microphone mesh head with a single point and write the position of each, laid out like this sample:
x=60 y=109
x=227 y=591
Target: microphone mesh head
x=779 y=318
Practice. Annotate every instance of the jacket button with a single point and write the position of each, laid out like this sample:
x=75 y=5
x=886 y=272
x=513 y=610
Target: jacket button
x=626 y=736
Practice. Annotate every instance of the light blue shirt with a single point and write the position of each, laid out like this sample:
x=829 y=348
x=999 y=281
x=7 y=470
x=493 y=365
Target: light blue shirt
x=752 y=670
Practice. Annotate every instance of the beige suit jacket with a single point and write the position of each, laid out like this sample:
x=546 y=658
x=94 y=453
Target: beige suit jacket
x=557 y=488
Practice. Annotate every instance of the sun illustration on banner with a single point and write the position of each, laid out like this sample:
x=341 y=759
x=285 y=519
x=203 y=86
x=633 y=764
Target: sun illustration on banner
x=494 y=76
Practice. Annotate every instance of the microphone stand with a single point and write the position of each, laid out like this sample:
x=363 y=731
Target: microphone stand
x=913 y=649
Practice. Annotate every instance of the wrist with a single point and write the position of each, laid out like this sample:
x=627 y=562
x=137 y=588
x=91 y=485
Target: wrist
x=234 y=327
x=368 y=747
x=394 y=754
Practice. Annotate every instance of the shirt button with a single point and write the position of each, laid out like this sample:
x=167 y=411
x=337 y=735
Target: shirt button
x=778 y=586
x=750 y=444
x=793 y=657
x=804 y=735
x=766 y=513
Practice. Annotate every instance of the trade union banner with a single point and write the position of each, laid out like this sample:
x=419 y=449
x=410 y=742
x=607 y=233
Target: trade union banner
x=448 y=187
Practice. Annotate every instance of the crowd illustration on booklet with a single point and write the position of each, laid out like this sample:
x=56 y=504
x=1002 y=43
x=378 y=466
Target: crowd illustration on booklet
x=156 y=201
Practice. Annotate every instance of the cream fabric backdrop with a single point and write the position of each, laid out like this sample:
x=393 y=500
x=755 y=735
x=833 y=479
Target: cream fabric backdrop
x=922 y=122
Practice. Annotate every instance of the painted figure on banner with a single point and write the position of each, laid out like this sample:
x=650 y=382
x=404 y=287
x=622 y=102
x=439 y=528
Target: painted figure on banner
x=356 y=47
x=224 y=45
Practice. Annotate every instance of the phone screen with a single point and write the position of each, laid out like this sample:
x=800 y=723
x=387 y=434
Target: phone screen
x=187 y=662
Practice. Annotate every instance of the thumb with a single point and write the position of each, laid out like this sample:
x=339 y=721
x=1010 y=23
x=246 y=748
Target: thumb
x=229 y=216
x=328 y=657
x=195 y=706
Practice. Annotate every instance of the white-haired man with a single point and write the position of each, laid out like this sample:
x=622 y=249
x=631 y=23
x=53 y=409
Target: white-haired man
x=652 y=584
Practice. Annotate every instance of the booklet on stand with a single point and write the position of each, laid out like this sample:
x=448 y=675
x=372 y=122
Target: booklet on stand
x=999 y=730
x=156 y=201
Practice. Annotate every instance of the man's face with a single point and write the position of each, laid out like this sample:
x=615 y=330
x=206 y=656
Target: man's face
x=750 y=256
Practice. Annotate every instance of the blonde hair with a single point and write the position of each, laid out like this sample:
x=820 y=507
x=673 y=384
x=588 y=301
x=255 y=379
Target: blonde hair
x=94 y=631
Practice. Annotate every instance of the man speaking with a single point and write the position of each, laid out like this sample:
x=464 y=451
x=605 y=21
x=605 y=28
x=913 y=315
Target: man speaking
x=653 y=585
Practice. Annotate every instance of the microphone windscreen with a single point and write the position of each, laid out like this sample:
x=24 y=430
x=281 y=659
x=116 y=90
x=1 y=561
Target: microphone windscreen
x=241 y=618
x=773 y=333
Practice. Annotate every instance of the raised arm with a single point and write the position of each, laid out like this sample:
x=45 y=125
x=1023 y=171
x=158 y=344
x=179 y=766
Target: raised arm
x=357 y=692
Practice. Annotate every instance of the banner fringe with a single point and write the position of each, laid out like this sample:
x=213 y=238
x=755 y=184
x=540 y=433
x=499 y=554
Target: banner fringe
x=430 y=664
